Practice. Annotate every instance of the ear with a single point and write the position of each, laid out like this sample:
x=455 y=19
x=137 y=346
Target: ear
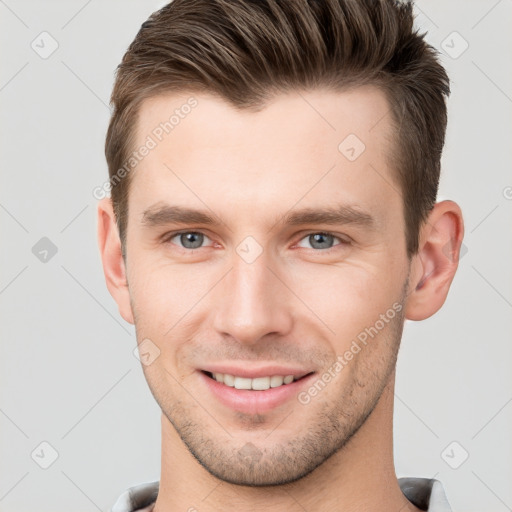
x=112 y=258
x=433 y=267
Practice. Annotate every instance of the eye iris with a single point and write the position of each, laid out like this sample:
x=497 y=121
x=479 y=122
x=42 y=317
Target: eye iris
x=320 y=238
x=195 y=239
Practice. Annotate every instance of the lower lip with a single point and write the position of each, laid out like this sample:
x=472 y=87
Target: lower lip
x=254 y=402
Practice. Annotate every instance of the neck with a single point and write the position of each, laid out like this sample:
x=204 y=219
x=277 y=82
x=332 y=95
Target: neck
x=360 y=477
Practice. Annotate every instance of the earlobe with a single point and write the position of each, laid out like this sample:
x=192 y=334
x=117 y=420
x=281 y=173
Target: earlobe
x=111 y=256
x=436 y=262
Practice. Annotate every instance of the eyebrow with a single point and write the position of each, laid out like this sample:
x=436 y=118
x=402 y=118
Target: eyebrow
x=162 y=214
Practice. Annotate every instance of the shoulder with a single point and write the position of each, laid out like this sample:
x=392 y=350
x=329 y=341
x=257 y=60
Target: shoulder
x=425 y=493
x=138 y=498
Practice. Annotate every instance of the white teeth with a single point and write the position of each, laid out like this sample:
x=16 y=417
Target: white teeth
x=276 y=381
x=229 y=380
x=242 y=383
x=259 y=383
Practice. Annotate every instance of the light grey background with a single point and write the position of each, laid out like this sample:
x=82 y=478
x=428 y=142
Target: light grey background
x=68 y=374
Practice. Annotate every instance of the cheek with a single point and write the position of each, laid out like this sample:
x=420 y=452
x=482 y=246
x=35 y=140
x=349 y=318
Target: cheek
x=166 y=300
x=164 y=292
x=345 y=298
x=340 y=298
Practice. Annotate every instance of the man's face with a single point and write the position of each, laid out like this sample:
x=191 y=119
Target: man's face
x=253 y=294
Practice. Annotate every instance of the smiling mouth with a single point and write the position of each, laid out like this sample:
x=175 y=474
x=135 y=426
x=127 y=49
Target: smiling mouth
x=255 y=384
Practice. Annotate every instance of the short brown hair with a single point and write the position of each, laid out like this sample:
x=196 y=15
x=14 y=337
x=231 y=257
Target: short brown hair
x=246 y=50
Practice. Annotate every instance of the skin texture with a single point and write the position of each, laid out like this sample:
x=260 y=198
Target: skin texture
x=298 y=303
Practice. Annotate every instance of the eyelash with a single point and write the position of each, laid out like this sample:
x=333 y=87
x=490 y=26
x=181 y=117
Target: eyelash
x=169 y=236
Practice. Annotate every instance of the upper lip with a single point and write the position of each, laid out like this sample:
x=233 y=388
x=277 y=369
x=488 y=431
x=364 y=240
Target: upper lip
x=252 y=373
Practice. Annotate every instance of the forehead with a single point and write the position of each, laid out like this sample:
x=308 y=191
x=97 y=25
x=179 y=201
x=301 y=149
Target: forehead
x=300 y=147
x=363 y=111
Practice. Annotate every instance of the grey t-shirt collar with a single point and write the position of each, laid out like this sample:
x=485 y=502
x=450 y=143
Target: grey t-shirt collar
x=425 y=493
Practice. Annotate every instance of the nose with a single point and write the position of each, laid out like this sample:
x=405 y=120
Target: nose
x=252 y=302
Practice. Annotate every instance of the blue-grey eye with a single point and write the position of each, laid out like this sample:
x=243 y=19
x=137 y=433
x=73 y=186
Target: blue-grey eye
x=190 y=239
x=321 y=240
